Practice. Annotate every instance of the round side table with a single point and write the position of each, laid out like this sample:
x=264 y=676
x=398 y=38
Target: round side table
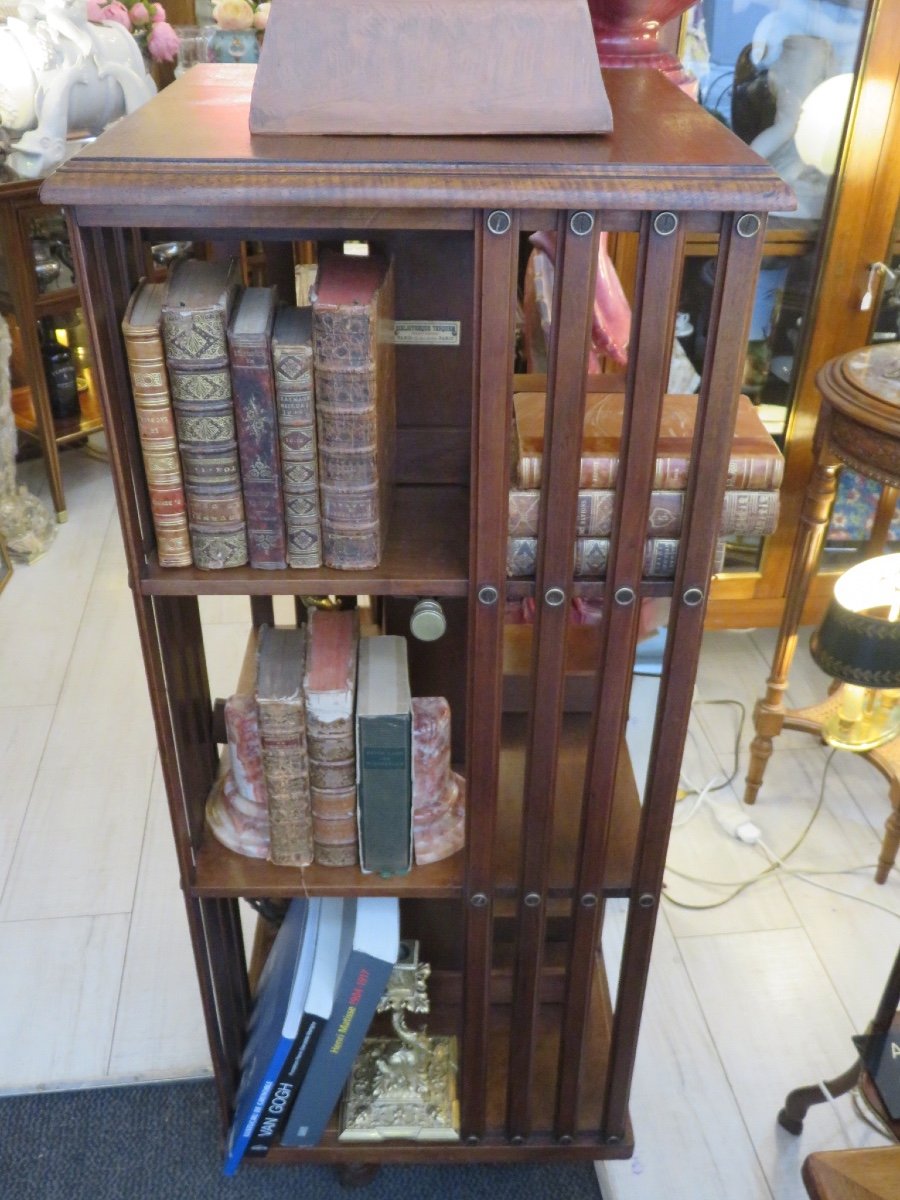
x=858 y=426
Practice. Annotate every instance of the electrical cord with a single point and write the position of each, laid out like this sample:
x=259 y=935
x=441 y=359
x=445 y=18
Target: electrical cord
x=778 y=863
x=832 y=1104
x=715 y=784
x=741 y=885
x=802 y=873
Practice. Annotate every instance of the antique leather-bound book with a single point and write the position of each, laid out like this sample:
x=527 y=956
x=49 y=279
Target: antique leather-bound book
x=353 y=352
x=295 y=402
x=282 y=732
x=592 y=554
x=195 y=319
x=383 y=756
x=141 y=327
x=250 y=351
x=329 y=688
x=750 y=513
x=755 y=463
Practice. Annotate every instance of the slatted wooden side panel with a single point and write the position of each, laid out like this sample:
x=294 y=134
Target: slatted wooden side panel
x=659 y=268
x=739 y=254
x=172 y=649
x=576 y=263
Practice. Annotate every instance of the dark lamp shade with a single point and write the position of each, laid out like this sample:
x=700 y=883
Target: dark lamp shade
x=859 y=638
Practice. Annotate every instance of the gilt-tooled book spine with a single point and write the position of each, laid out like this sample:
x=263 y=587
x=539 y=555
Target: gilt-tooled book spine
x=591 y=556
x=749 y=513
x=355 y=408
x=755 y=462
x=195 y=320
x=282 y=732
x=250 y=351
x=156 y=424
x=330 y=691
x=295 y=401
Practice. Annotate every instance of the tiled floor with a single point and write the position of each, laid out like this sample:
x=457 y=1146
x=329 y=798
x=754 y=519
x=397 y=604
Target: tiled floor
x=746 y=1000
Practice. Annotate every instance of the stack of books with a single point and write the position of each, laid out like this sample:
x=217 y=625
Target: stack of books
x=349 y=767
x=267 y=430
x=751 y=503
x=317 y=994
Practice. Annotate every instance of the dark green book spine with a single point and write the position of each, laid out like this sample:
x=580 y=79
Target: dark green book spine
x=385 y=793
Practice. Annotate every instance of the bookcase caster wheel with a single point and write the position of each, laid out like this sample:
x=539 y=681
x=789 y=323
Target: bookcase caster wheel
x=356 y=1175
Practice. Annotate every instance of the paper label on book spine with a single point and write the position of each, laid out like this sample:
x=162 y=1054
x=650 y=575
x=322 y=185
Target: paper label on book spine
x=426 y=333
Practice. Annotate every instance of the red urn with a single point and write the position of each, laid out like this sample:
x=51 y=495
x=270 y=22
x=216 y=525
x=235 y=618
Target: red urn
x=627 y=33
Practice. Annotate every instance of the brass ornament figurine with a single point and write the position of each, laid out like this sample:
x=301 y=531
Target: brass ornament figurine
x=405 y=1086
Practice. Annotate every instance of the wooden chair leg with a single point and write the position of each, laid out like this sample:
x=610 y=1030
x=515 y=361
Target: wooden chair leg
x=769 y=713
x=891 y=841
x=800 y=1100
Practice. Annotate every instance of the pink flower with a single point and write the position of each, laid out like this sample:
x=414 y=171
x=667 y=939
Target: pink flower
x=163 y=42
x=139 y=14
x=261 y=16
x=115 y=11
x=159 y=13
x=95 y=10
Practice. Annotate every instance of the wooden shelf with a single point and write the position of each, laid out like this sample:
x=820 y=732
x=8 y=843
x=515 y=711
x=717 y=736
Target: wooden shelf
x=220 y=872
x=65 y=429
x=57 y=302
x=426 y=554
x=494 y=1145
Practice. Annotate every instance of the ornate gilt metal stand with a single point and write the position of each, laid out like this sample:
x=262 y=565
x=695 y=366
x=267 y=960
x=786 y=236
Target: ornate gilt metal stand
x=405 y=1086
x=858 y=425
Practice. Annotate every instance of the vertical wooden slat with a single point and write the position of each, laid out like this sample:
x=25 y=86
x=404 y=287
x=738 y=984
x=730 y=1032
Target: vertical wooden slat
x=659 y=267
x=97 y=256
x=496 y=260
x=576 y=264
x=224 y=948
x=717 y=405
x=262 y=611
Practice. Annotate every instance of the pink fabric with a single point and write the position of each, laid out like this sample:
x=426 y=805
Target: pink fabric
x=611 y=322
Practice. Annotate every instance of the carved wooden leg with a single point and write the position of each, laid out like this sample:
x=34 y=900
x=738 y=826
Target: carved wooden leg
x=891 y=841
x=768 y=716
x=800 y=1100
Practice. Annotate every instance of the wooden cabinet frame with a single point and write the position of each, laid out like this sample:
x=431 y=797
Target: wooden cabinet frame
x=546 y=1056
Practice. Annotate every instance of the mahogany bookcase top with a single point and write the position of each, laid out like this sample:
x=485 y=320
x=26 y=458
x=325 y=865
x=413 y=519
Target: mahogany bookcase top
x=190 y=148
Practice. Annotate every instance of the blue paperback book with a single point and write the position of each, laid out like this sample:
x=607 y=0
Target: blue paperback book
x=280 y=999
x=316 y=1011
x=370 y=942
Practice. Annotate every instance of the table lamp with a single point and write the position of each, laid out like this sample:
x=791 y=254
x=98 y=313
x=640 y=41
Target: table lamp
x=858 y=643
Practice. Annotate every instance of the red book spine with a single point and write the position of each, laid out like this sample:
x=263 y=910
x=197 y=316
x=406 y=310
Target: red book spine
x=352 y=306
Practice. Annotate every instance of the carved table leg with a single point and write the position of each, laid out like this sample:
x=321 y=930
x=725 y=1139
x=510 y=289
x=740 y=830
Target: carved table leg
x=891 y=841
x=800 y=1100
x=768 y=716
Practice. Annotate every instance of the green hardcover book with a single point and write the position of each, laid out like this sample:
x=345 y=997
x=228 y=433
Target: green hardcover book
x=383 y=763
